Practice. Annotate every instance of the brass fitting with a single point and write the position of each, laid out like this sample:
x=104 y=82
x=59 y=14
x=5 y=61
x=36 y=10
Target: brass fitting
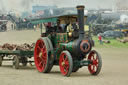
x=70 y=34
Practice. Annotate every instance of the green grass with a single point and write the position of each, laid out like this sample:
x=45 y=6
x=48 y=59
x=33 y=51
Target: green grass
x=113 y=43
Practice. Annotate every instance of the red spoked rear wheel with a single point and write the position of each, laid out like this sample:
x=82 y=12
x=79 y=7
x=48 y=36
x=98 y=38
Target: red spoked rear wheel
x=96 y=62
x=66 y=63
x=41 y=55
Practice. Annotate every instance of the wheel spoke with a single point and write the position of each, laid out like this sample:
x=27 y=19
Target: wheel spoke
x=40 y=58
x=44 y=56
x=43 y=65
x=64 y=67
x=39 y=48
x=40 y=63
x=44 y=48
x=63 y=58
x=93 y=57
x=93 y=67
x=42 y=43
x=66 y=63
x=66 y=59
x=96 y=62
x=44 y=60
x=67 y=67
x=62 y=55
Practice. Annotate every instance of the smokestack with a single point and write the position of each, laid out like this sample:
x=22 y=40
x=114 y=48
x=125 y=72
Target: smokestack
x=80 y=12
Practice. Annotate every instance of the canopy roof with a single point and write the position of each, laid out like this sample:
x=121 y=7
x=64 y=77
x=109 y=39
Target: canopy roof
x=62 y=18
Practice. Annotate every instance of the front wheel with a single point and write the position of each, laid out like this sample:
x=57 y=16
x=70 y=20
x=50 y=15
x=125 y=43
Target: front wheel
x=96 y=62
x=66 y=63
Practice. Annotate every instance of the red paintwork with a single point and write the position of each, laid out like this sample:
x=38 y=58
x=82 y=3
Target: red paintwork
x=64 y=60
x=81 y=46
x=40 y=55
x=94 y=59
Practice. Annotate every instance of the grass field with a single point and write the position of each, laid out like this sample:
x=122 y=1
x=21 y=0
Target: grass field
x=113 y=43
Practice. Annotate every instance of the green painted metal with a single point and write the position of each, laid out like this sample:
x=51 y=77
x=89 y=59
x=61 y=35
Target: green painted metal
x=62 y=37
x=81 y=63
x=58 y=52
x=61 y=47
x=61 y=43
x=9 y=52
x=39 y=21
x=17 y=52
x=67 y=46
x=58 y=40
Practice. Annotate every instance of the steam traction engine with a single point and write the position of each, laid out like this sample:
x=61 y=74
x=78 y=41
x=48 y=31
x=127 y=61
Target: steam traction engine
x=69 y=50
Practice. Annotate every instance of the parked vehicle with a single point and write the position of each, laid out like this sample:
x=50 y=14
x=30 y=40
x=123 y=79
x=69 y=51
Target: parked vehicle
x=3 y=26
x=112 y=34
x=125 y=32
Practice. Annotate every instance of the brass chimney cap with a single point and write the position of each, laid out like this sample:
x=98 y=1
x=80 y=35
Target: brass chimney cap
x=80 y=7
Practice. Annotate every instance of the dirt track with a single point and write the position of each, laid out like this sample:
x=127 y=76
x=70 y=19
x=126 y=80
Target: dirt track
x=114 y=70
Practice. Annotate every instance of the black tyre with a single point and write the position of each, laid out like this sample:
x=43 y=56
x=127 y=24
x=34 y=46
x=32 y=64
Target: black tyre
x=50 y=54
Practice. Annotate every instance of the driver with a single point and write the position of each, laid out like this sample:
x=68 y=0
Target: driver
x=59 y=28
x=70 y=28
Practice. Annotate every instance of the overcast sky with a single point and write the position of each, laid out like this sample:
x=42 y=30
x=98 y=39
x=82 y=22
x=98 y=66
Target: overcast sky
x=21 y=5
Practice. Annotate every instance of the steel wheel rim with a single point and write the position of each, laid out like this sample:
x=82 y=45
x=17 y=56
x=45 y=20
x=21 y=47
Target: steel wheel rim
x=64 y=64
x=93 y=67
x=40 y=55
x=16 y=62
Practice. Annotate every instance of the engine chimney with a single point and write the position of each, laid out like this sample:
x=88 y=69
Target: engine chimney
x=80 y=12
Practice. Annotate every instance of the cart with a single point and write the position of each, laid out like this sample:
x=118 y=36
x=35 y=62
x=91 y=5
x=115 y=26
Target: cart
x=17 y=57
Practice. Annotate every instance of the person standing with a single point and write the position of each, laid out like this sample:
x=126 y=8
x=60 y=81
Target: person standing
x=34 y=27
x=100 y=39
x=12 y=26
